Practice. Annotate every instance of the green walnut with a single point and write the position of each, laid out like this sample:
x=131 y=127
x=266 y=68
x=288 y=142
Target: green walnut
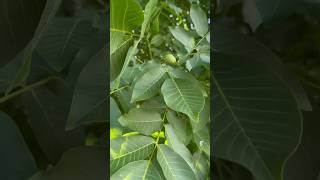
x=161 y=134
x=157 y=134
x=170 y=59
x=166 y=142
x=114 y=133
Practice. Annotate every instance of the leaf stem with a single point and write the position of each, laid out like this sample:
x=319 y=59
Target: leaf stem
x=154 y=149
x=118 y=89
x=202 y=38
x=26 y=88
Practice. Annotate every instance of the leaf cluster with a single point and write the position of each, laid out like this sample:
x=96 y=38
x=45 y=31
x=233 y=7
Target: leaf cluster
x=53 y=103
x=160 y=89
x=263 y=114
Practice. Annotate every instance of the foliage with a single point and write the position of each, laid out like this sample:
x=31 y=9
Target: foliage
x=263 y=119
x=160 y=106
x=53 y=84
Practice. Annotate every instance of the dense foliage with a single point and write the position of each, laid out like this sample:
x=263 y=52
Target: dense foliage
x=53 y=84
x=265 y=114
x=160 y=82
x=57 y=82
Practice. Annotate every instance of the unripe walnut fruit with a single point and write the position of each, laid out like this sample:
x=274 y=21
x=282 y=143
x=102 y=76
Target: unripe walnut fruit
x=170 y=59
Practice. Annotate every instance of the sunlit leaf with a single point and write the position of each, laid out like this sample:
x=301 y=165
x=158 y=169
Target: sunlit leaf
x=138 y=170
x=124 y=150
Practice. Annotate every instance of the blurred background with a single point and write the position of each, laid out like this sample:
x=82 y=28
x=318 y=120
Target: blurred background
x=291 y=30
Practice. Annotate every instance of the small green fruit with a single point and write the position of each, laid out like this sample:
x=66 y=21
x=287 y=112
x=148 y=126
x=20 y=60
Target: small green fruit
x=114 y=133
x=166 y=142
x=158 y=135
x=155 y=134
x=161 y=135
x=170 y=59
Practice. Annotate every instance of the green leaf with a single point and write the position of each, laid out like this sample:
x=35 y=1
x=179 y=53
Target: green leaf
x=131 y=74
x=275 y=8
x=63 y=39
x=202 y=139
x=7 y=71
x=183 y=96
x=157 y=40
x=256 y=12
x=123 y=96
x=48 y=14
x=128 y=58
x=154 y=104
x=251 y=14
x=149 y=84
x=183 y=36
x=125 y=16
x=306 y=158
x=124 y=150
x=47 y=108
x=174 y=8
x=199 y=19
x=174 y=167
x=16 y=159
x=92 y=47
x=180 y=125
x=138 y=170
x=81 y=163
x=19 y=21
x=115 y=113
x=151 y=11
x=177 y=145
x=203 y=119
x=118 y=58
x=201 y=164
x=257 y=122
x=233 y=43
x=40 y=70
x=89 y=104
x=141 y=120
x=194 y=62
